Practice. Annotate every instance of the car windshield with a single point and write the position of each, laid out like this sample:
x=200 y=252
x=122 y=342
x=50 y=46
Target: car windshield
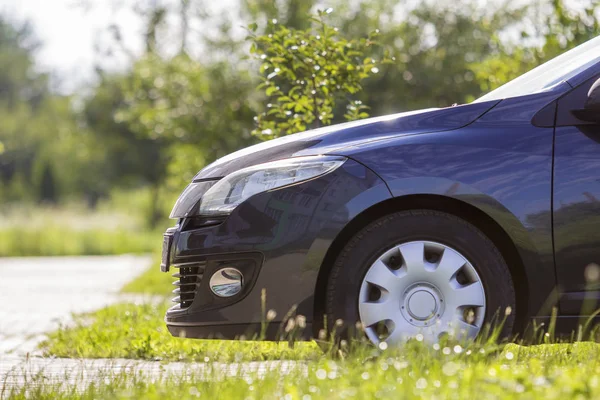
x=551 y=73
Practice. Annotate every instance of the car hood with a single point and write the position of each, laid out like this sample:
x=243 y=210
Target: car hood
x=333 y=139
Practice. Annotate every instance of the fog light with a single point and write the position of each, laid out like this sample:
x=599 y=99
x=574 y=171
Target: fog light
x=226 y=282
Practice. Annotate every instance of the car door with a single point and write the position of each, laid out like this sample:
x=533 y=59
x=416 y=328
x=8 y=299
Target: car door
x=576 y=205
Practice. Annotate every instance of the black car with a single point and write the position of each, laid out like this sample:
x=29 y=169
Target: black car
x=425 y=222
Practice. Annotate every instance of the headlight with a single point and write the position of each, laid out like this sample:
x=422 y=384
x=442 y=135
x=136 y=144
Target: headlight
x=238 y=186
x=187 y=202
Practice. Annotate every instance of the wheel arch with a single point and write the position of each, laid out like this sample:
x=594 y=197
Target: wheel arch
x=462 y=209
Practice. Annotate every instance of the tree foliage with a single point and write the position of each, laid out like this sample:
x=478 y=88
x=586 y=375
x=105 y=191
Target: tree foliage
x=184 y=105
x=559 y=30
x=33 y=121
x=190 y=95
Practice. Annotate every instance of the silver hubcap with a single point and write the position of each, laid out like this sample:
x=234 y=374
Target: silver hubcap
x=422 y=288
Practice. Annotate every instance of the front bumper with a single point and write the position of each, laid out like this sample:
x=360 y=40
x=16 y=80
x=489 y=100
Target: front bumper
x=278 y=239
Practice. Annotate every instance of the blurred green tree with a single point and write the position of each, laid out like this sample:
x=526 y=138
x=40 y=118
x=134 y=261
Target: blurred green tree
x=47 y=184
x=552 y=27
x=197 y=108
x=20 y=93
x=33 y=120
x=120 y=158
x=293 y=14
x=434 y=43
x=189 y=97
x=177 y=112
x=181 y=103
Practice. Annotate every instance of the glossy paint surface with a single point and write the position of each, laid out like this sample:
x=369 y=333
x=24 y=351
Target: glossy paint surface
x=577 y=206
x=576 y=198
x=332 y=138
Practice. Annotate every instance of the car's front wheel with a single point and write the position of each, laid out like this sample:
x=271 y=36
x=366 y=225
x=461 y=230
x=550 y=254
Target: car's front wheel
x=419 y=272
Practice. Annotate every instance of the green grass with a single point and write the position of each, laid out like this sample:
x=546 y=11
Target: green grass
x=72 y=229
x=139 y=332
x=415 y=371
x=65 y=241
x=450 y=369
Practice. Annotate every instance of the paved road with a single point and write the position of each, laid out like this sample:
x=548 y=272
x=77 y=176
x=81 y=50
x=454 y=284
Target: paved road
x=68 y=373
x=36 y=294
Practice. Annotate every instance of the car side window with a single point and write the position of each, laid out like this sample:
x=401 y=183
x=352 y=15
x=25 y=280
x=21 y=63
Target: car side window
x=573 y=100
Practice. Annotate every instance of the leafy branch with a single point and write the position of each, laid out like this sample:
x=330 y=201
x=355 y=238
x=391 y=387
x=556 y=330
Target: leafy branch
x=306 y=72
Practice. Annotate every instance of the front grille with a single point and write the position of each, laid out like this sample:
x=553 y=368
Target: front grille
x=188 y=281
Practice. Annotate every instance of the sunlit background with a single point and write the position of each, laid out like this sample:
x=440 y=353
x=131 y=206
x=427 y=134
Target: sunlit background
x=108 y=108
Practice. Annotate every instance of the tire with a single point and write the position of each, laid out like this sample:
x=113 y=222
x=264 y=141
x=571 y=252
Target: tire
x=349 y=288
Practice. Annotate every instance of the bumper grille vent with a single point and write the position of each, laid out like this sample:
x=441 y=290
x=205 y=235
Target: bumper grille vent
x=188 y=280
